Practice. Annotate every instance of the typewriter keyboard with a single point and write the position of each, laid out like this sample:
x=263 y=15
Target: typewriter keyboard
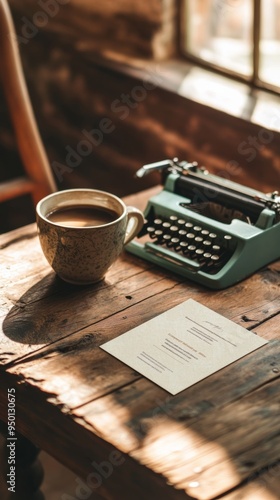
x=206 y=249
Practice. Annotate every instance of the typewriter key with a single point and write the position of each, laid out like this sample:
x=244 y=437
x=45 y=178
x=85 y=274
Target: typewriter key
x=173 y=229
x=173 y=243
x=204 y=232
x=190 y=251
x=173 y=218
x=185 y=249
x=212 y=236
x=207 y=243
x=183 y=245
x=158 y=234
x=166 y=225
x=150 y=229
x=181 y=222
x=216 y=248
x=182 y=232
x=227 y=240
x=158 y=222
x=207 y=255
x=191 y=248
x=197 y=229
x=189 y=225
x=190 y=236
x=198 y=239
x=215 y=258
x=166 y=238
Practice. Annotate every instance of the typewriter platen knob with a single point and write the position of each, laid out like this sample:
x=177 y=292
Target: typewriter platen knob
x=194 y=168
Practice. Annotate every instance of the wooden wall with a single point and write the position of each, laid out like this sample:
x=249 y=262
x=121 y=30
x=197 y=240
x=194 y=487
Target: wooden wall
x=75 y=91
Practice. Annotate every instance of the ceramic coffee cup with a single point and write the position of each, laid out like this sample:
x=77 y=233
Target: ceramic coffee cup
x=83 y=231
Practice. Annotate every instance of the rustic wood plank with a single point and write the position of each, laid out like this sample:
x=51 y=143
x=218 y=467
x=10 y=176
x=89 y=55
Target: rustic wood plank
x=140 y=201
x=155 y=295
x=31 y=325
x=215 y=426
x=204 y=459
x=266 y=486
x=269 y=330
x=136 y=306
x=97 y=372
x=135 y=411
x=31 y=279
x=149 y=405
x=18 y=273
x=81 y=450
x=26 y=232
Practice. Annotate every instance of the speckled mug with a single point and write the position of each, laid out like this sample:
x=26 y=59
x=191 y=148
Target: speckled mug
x=83 y=255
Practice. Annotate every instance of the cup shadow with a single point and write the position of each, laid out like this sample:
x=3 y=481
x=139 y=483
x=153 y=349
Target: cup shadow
x=47 y=310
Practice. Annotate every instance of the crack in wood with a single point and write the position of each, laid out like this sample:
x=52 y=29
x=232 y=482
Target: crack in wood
x=262 y=321
x=33 y=379
x=246 y=319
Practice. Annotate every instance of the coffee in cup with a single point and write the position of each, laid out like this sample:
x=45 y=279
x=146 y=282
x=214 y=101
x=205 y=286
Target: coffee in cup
x=83 y=216
x=82 y=232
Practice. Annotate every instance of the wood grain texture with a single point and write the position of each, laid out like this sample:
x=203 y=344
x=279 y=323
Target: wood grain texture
x=105 y=27
x=220 y=437
x=266 y=486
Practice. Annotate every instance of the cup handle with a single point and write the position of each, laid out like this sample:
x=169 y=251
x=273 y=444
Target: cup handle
x=135 y=222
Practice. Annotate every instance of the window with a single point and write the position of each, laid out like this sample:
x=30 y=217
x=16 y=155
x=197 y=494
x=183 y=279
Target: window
x=240 y=38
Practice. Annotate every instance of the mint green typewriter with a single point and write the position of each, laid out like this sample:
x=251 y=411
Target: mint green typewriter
x=206 y=228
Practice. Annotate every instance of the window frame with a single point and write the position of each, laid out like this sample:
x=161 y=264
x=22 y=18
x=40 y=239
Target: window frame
x=252 y=80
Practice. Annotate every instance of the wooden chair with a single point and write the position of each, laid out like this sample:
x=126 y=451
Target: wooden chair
x=38 y=179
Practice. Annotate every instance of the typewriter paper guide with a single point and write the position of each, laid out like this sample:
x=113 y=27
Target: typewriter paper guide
x=183 y=345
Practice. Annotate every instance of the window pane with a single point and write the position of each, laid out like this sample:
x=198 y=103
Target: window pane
x=220 y=32
x=269 y=70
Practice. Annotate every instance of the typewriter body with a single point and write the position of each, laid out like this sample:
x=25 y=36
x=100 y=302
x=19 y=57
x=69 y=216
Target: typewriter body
x=206 y=228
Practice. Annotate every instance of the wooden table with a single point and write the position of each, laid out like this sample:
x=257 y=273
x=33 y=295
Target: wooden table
x=126 y=437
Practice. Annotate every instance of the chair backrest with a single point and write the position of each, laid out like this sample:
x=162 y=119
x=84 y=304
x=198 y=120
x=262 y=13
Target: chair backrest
x=38 y=179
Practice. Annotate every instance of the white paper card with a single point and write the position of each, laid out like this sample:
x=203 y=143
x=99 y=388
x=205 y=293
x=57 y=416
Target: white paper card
x=183 y=345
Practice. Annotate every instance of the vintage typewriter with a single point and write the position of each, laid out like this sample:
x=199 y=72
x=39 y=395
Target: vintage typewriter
x=206 y=228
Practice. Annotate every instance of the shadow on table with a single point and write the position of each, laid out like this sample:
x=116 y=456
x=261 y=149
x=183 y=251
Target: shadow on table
x=51 y=309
